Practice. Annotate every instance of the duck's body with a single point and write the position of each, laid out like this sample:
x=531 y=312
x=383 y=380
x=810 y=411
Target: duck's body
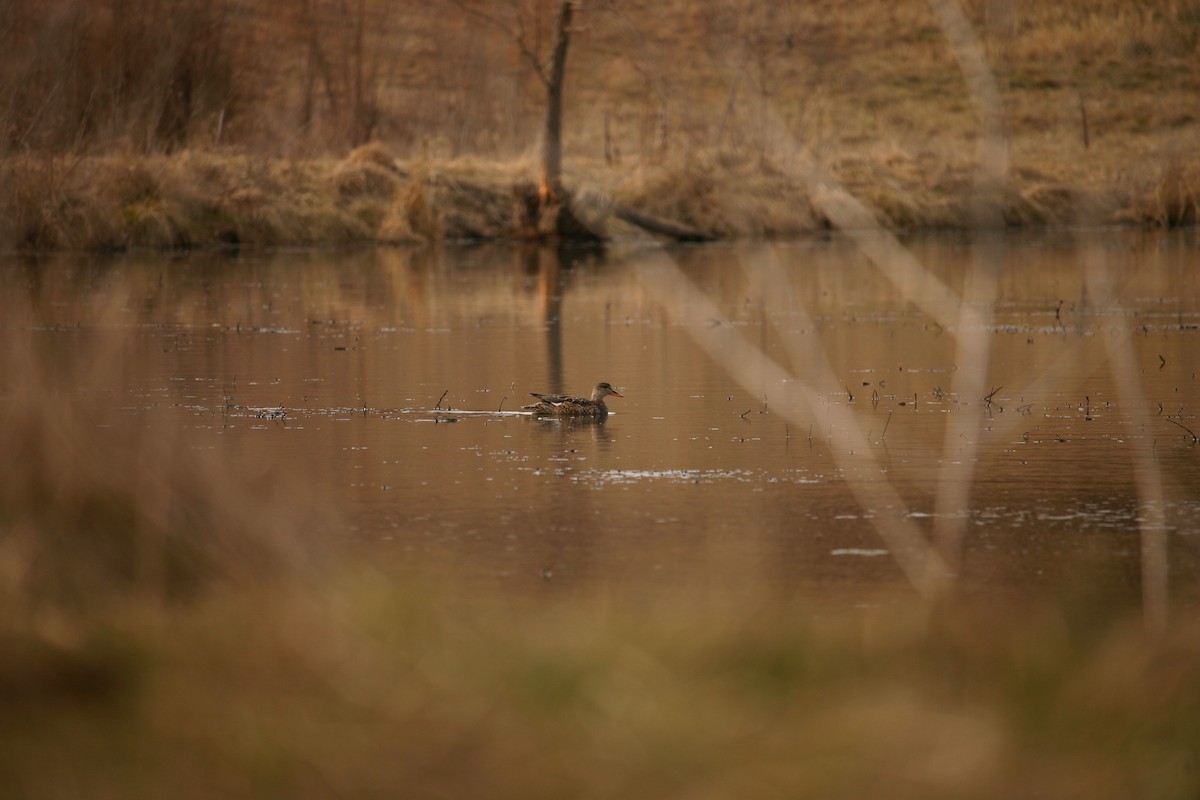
x=564 y=405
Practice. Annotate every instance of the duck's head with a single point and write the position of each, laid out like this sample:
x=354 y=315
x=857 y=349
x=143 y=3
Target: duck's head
x=603 y=390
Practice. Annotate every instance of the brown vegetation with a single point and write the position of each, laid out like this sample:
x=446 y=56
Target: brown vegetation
x=705 y=114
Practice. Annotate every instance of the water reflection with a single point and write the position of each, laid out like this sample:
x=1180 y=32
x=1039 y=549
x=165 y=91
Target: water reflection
x=789 y=414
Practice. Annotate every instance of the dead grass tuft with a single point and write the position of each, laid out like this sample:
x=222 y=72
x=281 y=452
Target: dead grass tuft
x=373 y=153
x=357 y=179
x=411 y=216
x=721 y=197
x=1173 y=200
x=44 y=207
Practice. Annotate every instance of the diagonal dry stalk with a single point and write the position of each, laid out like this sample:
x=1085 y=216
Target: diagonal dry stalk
x=1147 y=475
x=972 y=336
x=929 y=566
x=801 y=401
x=928 y=563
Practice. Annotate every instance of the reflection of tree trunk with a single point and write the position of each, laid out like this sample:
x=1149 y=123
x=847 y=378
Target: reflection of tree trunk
x=547 y=264
x=552 y=156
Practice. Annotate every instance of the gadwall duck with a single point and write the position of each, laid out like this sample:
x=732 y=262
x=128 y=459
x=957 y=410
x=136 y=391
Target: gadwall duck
x=560 y=405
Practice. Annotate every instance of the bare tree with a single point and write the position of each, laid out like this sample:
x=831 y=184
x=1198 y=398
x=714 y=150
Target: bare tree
x=552 y=156
x=526 y=24
x=552 y=211
x=338 y=54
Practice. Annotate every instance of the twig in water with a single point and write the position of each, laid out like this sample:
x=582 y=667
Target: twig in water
x=747 y=411
x=849 y=394
x=502 y=399
x=1190 y=433
x=988 y=397
x=440 y=399
x=885 y=427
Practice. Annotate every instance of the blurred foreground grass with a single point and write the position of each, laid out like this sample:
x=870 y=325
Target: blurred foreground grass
x=171 y=627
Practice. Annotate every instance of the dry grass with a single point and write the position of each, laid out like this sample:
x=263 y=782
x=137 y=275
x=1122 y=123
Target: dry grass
x=193 y=199
x=699 y=113
x=406 y=695
x=1174 y=199
x=201 y=199
x=197 y=199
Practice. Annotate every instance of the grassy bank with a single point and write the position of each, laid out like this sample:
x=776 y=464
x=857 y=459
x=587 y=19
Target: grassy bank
x=233 y=123
x=200 y=199
x=170 y=625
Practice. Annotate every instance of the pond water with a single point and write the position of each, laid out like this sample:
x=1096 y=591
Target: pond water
x=1013 y=413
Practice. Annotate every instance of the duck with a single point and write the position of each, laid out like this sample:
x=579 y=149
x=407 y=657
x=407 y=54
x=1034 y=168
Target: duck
x=560 y=405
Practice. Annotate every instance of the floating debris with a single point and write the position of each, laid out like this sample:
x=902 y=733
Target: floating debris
x=276 y=414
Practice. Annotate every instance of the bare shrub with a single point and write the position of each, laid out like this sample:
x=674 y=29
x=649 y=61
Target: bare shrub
x=49 y=203
x=155 y=74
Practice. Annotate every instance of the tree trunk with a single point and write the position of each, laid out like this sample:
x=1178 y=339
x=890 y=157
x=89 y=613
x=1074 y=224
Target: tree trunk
x=552 y=156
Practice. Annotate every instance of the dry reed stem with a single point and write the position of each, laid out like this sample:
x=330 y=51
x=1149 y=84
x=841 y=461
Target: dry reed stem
x=1152 y=523
x=800 y=399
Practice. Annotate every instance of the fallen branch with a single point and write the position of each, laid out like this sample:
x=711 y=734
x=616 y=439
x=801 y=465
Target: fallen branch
x=679 y=233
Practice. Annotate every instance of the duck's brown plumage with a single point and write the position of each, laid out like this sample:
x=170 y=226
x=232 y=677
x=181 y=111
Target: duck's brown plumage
x=564 y=405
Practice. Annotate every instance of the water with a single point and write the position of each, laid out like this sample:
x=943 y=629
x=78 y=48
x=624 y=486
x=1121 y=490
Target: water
x=793 y=419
